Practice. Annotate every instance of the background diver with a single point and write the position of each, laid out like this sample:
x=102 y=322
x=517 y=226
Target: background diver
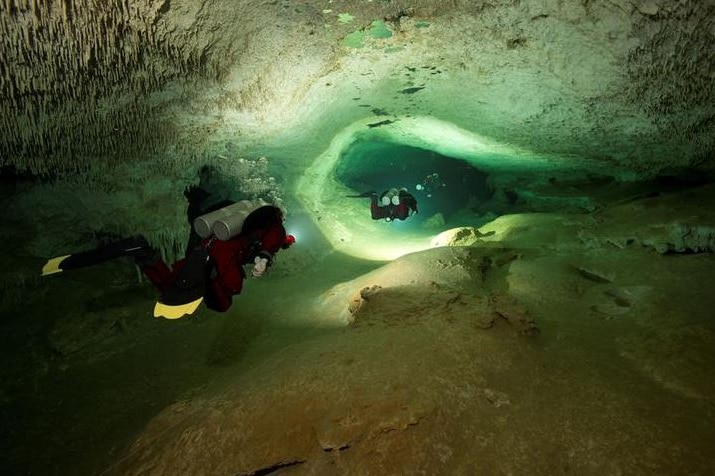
x=393 y=204
x=222 y=242
x=430 y=184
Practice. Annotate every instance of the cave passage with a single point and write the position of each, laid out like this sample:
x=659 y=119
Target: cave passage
x=373 y=165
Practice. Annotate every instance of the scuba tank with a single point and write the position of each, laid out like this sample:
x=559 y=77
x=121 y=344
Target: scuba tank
x=226 y=222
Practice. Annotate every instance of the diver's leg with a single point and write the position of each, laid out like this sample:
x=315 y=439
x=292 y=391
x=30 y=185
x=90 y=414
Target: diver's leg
x=159 y=274
x=375 y=211
x=135 y=246
x=186 y=282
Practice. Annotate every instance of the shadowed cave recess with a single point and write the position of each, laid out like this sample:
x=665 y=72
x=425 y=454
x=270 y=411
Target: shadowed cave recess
x=465 y=195
x=548 y=310
x=379 y=166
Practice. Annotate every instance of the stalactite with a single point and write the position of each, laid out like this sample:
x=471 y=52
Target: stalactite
x=84 y=57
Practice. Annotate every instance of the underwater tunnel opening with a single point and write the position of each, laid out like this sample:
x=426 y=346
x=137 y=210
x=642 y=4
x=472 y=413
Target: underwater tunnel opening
x=441 y=184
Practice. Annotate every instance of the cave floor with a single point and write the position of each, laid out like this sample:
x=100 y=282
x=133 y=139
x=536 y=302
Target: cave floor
x=503 y=359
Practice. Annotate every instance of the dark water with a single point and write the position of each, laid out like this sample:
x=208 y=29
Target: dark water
x=383 y=165
x=465 y=195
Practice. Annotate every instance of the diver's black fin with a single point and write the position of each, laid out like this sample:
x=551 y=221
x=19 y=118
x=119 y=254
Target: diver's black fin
x=362 y=195
x=134 y=246
x=187 y=292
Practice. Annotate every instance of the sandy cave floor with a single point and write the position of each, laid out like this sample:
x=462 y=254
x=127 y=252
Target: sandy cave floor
x=485 y=360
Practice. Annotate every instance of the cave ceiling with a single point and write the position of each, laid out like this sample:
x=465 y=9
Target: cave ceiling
x=83 y=82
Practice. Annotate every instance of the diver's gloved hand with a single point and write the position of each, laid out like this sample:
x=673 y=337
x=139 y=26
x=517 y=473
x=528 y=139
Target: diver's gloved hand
x=259 y=266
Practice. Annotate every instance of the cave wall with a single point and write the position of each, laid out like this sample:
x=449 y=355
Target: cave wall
x=108 y=97
x=83 y=80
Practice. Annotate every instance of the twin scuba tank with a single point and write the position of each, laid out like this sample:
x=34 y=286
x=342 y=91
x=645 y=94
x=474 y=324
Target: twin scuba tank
x=226 y=222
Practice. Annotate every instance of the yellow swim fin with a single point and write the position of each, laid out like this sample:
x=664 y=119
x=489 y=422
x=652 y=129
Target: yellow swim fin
x=176 y=311
x=53 y=265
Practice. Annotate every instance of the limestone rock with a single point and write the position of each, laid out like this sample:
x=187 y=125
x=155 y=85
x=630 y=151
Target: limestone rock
x=648 y=8
x=435 y=221
x=82 y=334
x=357 y=423
x=595 y=275
x=514 y=313
x=463 y=236
x=495 y=398
x=613 y=302
x=367 y=292
x=691 y=238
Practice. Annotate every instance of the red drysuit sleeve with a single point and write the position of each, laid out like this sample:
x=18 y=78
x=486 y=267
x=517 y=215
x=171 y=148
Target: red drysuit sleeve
x=273 y=239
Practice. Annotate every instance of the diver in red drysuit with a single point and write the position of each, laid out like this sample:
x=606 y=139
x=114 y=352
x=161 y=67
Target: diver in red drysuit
x=393 y=205
x=262 y=236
